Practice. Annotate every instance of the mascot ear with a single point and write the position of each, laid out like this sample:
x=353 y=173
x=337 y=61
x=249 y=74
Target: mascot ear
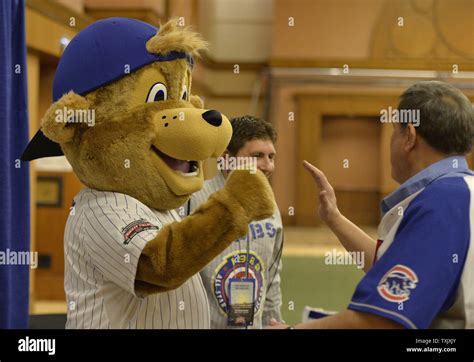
x=172 y=37
x=59 y=123
x=196 y=101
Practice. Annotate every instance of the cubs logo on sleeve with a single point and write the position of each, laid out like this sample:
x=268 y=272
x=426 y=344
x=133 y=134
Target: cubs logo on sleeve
x=396 y=285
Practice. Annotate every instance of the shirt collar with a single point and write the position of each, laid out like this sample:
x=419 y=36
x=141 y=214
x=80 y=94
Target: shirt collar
x=220 y=178
x=450 y=165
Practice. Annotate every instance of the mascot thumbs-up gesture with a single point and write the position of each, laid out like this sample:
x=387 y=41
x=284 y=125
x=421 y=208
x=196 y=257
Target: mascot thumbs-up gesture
x=124 y=117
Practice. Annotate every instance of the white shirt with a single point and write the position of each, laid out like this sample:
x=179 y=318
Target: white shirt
x=264 y=256
x=104 y=238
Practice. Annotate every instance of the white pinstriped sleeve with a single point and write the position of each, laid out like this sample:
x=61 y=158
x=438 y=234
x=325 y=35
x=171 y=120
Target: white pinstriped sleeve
x=273 y=300
x=116 y=229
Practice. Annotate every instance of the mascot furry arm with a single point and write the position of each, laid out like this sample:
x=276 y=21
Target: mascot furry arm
x=203 y=235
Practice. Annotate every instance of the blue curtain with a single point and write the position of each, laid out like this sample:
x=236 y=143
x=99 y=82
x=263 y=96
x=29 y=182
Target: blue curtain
x=14 y=176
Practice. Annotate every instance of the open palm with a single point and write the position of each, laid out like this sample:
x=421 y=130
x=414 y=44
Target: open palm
x=327 y=209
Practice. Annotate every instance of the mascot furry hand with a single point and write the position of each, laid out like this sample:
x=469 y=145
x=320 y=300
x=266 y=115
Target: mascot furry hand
x=124 y=117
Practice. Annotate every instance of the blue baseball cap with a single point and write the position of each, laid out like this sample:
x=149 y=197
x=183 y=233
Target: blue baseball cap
x=102 y=53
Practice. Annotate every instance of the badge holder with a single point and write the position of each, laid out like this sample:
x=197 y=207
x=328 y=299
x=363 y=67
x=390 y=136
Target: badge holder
x=241 y=302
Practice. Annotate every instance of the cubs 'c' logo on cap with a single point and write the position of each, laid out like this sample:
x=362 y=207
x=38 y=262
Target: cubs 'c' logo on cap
x=396 y=284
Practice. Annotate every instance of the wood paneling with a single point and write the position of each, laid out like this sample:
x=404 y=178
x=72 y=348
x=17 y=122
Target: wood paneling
x=387 y=184
x=47 y=71
x=309 y=147
x=310 y=109
x=361 y=207
x=382 y=34
x=350 y=154
x=397 y=63
x=35 y=35
x=141 y=14
x=323 y=28
x=50 y=224
x=60 y=13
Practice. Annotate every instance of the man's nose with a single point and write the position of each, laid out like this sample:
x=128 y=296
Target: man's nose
x=266 y=165
x=214 y=118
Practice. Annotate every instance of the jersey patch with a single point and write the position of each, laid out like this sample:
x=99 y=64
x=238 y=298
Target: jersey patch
x=234 y=266
x=396 y=284
x=136 y=227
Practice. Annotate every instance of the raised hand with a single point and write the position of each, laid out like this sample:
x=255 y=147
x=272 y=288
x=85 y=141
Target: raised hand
x=327 y=209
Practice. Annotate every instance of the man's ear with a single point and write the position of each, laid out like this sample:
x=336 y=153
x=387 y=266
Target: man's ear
x=196 y=101
x=410 y=140
x=58 y=124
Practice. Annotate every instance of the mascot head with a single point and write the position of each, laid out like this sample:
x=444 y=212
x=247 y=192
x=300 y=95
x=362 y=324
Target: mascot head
x=123 y=113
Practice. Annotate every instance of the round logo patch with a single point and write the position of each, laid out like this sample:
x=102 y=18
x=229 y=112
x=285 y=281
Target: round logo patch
x=234 y=266
x=397 y=283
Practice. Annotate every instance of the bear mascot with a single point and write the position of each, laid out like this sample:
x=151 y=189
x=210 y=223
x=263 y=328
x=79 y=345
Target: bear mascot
x=124 y=117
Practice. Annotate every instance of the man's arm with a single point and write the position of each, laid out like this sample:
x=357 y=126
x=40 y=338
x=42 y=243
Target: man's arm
x=350 y=235
x=347 y=319
x=353 y=238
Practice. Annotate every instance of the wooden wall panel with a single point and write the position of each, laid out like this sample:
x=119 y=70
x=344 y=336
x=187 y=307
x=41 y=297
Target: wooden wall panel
x=50 y=223
x=361 y=207
x=309 y=143
x=310 y=110
x=35 y=35
x=387 y=184
x=369 y=34
x=350 y=158
x=350 y=152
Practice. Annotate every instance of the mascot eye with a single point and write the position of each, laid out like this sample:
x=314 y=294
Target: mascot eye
x=157 y=93
x=184 y=97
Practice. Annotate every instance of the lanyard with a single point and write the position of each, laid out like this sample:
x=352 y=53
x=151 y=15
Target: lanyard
x=247 y=255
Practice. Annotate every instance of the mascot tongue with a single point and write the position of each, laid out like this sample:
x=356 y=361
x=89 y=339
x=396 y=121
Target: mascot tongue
x=175 y=164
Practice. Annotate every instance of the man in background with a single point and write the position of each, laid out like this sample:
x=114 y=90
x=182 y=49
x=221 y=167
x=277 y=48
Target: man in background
x=252 y=262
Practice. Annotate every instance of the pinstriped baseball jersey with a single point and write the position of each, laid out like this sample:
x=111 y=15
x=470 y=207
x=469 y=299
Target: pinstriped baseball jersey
x=264 y=260
x=105 y=235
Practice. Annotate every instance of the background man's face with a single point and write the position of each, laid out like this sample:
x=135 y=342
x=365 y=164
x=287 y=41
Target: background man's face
x=264 y=151
x=397 y=153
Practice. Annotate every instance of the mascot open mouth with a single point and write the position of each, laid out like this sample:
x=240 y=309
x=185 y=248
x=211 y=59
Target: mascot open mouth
x=185 y=168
